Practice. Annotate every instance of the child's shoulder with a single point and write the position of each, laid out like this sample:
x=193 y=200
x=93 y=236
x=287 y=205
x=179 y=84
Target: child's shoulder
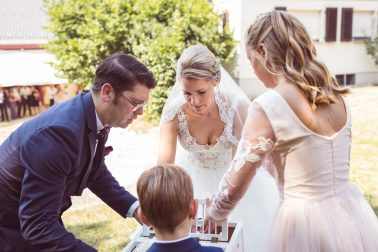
x=210 y=249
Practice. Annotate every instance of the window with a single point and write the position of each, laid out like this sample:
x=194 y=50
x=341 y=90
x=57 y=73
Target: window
x=311 y=20
x=346 y=79
x=346 y=24
x=331 y=24
x=362 y=25
x=350 y=79
x=280 y=8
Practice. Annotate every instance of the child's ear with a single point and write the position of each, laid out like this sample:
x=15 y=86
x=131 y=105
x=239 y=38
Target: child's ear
x=142 y=217
x=193 y=207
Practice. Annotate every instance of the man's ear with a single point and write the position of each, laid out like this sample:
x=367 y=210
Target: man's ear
x=106 y=92
x=142 y=217
x=193 y=207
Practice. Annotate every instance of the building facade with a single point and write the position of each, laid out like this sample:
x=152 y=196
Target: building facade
x=338 y=28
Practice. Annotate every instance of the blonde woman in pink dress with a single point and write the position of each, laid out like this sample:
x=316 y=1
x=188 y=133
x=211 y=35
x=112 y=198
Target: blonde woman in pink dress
x=303 y=124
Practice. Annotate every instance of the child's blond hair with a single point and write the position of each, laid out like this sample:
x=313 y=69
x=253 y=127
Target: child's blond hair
x=165 y=193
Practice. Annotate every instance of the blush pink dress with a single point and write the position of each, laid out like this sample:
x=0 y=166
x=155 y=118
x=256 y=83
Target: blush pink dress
x=320 y=209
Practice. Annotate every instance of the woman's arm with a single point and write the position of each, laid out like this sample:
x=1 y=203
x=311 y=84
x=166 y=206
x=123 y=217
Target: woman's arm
x=167 y=142
x=239 y=118
x=256 y=143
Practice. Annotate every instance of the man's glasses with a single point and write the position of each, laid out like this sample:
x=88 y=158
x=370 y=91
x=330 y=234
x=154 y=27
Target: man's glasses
x=135 y=105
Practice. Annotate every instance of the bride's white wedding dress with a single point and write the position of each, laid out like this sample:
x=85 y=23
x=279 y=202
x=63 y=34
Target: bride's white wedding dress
x=207 y=164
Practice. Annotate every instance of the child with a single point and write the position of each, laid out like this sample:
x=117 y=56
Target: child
x=166 y=202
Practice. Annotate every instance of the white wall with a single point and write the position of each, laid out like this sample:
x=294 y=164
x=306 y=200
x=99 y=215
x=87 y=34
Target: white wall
x=346 y=57
x=340 y=57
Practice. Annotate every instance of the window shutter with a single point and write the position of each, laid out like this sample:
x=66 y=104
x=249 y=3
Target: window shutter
x=280 y=8
x=350 y=79
x=331 y=24
x=340 y=79
x=346 y=24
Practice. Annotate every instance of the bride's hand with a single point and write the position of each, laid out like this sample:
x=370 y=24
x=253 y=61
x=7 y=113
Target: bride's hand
x=210 y=226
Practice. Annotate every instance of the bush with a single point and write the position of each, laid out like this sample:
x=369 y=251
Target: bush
x=156 y=31
x=372 y=48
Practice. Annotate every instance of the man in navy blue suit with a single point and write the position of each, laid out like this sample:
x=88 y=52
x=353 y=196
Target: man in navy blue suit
x=61 y=152
x=166 y=202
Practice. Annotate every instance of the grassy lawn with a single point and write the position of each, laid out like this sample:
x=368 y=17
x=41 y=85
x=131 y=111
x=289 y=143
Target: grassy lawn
x=100 y=227
x=364 y=161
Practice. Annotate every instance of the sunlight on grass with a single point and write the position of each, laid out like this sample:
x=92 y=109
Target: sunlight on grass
x=105 y=230
x=100 y=227
x=364 y=169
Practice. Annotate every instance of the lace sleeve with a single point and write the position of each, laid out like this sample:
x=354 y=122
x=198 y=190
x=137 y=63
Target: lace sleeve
x=256 y=143
x=170 y=110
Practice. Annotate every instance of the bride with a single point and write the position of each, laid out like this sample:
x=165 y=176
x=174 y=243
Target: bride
x=205 y=112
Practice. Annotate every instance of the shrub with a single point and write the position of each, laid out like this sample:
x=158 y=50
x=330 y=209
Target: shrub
x=156 y=31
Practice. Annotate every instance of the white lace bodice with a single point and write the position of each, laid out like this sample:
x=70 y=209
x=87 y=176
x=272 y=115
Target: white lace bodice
x=219 y=155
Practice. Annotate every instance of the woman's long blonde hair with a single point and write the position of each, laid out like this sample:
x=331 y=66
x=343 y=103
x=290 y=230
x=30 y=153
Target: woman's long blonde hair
x=292 y=54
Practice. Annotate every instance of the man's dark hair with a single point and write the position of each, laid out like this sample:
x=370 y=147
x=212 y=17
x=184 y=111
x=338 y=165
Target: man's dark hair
x=123 y=72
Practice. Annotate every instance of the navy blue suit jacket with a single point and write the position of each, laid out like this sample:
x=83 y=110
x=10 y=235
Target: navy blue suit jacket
x=44 y=162
x=187 y=245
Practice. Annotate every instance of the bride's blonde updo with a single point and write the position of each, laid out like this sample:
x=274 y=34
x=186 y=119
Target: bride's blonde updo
x=292 y=54
x=198 y=62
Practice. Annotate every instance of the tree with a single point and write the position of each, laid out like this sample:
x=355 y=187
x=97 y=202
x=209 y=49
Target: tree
x=156 y=31
x=372 y=48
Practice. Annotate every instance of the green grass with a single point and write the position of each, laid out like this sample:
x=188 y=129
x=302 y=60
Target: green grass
x=102 y=228
x=364 y=168
x=364 y=158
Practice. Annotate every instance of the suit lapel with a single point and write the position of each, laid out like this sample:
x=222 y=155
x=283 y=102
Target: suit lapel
x=92 y=134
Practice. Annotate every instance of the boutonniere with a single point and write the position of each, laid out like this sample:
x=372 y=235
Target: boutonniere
x=107 y=150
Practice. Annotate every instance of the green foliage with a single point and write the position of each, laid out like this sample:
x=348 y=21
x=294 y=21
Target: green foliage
x=156 y=31
x=372 y=49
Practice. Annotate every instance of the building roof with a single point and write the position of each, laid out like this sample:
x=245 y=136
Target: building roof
x=22 y=22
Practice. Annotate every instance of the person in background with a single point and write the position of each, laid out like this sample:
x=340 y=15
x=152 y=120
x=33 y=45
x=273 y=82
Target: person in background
x=51 y=93
x=14 y=102
x=3 y=105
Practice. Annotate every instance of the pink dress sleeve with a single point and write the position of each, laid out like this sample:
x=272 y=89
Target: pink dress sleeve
x=256 y=142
